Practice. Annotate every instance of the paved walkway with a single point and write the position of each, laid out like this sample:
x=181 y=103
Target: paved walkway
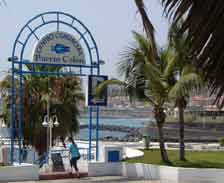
x=97 y=180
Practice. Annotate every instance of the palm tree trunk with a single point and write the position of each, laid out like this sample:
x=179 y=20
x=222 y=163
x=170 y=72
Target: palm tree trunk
x=163 y=151
x=181 y=131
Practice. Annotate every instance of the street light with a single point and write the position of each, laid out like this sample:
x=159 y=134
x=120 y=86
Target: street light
x=50 y=122
x=3 y=125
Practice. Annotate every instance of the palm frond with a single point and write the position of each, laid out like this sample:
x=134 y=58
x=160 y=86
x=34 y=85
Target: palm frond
x=185 y=85
x=139 y=53
x=203 y=22
x=168 y=57
x=149 y=29
x=102 y=87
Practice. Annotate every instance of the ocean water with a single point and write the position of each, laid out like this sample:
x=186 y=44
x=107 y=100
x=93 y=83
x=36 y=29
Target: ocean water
x=84 y=133
x=129 y=122
x=124 y=122
x=5 y=132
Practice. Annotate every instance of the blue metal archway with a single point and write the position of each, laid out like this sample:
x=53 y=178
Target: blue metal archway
x=30 y=31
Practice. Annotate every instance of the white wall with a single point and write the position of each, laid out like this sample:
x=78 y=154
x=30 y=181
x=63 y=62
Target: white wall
x=105 y=169
x=168 y=173
x=153 y=172
x=123 y=169
x=139 y=170
x=19 y=173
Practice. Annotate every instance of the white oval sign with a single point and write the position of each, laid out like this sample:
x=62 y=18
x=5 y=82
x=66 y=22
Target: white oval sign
x=59 y=48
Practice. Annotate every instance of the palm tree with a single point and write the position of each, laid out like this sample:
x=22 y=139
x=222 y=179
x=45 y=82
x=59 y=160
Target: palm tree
x=183 y=47
x=63 y=95
x=145 y=78
x=187 y=78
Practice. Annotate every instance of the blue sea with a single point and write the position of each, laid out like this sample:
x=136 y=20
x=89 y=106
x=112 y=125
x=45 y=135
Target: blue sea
x=124 y=122
x=84 y=134
x=129 y=122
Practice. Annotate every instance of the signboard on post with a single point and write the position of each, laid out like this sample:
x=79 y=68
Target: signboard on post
x=93 y=99
x=59 y=48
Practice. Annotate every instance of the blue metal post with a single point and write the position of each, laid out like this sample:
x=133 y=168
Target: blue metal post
x=97 y=133
x=97 y=114
x=12 y=116
x=20 y=113
x=90 y=117
x=90 y=132
x=34 y=157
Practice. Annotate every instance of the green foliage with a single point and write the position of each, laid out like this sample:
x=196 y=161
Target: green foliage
x=221 y=142
x=144 y=76
x=62 y=93
x=187 y=79
x=188 y=118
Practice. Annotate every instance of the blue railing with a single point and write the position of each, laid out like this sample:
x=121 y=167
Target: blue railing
x=30 y=156
x=84 y=152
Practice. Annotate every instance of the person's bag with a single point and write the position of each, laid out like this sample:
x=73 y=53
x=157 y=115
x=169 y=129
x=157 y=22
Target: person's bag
x=79 y=155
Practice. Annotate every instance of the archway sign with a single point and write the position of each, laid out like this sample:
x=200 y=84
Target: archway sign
x=58 y=39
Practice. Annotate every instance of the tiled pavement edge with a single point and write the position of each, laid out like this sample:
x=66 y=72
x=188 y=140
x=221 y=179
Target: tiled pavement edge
x=96 y=180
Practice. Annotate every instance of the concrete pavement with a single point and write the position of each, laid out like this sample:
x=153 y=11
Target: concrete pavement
x=112 y=179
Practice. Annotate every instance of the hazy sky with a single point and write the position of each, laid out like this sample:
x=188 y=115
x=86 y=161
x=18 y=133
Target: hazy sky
x=110 y=21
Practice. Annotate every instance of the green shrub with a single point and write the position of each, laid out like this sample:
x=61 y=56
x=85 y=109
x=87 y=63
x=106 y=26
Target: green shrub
x=189 y=118
x=221 y=142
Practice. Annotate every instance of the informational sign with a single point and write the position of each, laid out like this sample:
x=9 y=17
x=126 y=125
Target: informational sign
x=58 y=164
x=59 y=48
x=93 y=99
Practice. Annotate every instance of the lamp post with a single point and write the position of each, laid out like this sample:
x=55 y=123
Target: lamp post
x=50 y=123
x=2 y=125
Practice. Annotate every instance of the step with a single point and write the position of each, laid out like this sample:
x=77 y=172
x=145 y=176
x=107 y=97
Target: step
x=60 y=175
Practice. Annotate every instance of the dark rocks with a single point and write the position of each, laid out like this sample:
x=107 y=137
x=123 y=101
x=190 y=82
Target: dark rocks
x=193 y=132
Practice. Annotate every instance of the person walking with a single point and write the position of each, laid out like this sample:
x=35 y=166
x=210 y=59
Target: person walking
x=74 y=156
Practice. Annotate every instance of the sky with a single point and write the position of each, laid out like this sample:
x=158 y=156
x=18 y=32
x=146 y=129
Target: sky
x=110 y=22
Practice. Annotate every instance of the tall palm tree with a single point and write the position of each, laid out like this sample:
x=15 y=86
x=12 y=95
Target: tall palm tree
x=187 y=78
x=194 y=45
x=145 y=79
x=63 y=93
x=186 y=81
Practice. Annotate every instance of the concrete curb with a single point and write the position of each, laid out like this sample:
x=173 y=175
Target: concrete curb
x=19 y=173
